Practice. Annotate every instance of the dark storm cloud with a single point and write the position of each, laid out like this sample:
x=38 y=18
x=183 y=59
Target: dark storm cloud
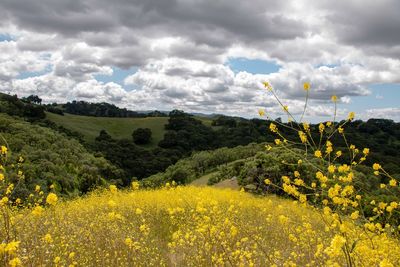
x=211 y=22
x=62 y=17
x=365 y=23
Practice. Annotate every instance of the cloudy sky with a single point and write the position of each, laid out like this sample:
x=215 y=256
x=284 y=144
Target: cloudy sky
x=206 y=56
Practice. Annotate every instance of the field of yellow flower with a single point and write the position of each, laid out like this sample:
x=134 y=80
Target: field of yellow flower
x=185 y=226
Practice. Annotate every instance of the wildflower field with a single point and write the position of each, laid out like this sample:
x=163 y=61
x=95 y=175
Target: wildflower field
x=185 y=226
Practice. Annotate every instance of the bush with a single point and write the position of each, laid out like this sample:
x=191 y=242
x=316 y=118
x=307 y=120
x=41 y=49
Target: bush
x=141 y=136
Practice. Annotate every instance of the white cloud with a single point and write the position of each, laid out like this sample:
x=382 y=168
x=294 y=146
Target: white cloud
x=180 y=48
x=385 y=113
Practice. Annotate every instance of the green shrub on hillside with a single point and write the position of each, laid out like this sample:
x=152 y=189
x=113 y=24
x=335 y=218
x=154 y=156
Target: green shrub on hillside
x=50 y=158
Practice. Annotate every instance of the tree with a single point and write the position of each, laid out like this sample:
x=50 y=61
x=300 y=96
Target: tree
x=141 y=136
x=34 y=99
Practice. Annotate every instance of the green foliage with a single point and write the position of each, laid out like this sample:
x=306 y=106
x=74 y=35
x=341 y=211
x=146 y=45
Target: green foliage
x=13 y=106
x=51 y=158
x=141 y=136
x=188 y=169
x=33 y=99
x=134 y=160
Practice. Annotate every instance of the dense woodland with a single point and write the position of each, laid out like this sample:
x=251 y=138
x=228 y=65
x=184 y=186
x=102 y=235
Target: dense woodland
x=101 y=110
x=184 y=135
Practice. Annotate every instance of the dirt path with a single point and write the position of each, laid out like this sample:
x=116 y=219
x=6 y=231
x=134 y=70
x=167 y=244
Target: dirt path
x=228 y=183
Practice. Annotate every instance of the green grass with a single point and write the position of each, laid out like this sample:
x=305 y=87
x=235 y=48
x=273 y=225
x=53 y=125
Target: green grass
x=118 y=128
x=203 y=180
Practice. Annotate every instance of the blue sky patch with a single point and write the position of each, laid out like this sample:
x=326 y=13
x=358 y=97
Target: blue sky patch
x=254 y=66
x=382 y=96
x=29 y=74
x=5 y=37
x=118 y=75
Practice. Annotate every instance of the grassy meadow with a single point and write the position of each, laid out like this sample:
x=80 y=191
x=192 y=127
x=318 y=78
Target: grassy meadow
x=118 y=128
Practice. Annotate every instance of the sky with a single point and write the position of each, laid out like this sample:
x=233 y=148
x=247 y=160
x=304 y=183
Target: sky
x=207 y=56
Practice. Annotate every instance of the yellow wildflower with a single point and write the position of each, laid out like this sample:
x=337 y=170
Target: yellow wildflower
x=15 y=262
x=321 y=128
x=306 y=126
x=138 y=211
x=135 y=185
x=267 y=85
x=57 y=260
x=331 y=168
x=334 y=98
x=303 y=136
x=306 y=86
x=376 y=166
x=113 y=188
x=261 y=112
x=302 y=198
x=273 y=128
x=48 y=239
x=37 y=210
x=4 y=201
x=12 y=247
x=351 y=116
x=318 y=154
x=355 y=215
x=335 y=248
x=128 y=242
x=51 y=199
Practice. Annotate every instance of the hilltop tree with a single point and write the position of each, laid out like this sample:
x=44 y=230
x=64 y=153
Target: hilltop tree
x=34 y=99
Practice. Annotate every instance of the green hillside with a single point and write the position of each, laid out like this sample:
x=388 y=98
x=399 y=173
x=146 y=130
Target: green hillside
x=46 y=157
x=118 y=128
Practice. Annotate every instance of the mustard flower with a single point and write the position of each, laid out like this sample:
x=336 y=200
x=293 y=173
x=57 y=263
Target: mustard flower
x=51 y=199
x=306 y=86
x=351 y=116
x=376 y=166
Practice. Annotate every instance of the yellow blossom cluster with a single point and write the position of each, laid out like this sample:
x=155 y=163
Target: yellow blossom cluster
x=336 y=188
